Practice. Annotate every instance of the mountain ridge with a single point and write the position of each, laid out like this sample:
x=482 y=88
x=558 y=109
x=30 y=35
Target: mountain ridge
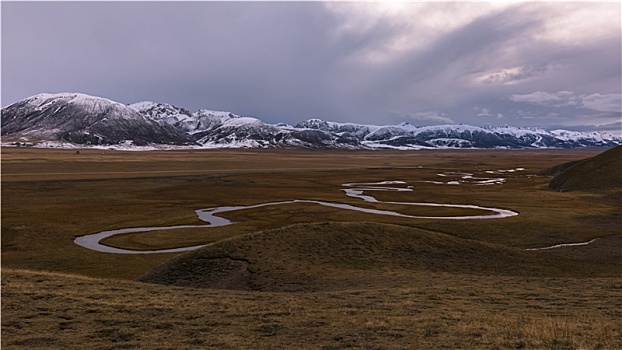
x=74 y=119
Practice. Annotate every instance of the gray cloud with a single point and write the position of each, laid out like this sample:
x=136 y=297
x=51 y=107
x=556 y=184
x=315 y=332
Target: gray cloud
x=360 y=62
x=597 y=102
x=484 y=112
x=513 y=75
x=556 y=99
x=604 y=103
x=425 y=117
x=614 y=128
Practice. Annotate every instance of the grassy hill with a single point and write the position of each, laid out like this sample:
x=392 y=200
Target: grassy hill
x=600 y=173
x=334 y=256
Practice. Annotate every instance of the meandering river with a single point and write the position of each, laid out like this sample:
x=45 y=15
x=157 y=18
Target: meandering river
x=354 y=190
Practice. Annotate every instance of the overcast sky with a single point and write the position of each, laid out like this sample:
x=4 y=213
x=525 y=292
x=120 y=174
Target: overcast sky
x=526 y=64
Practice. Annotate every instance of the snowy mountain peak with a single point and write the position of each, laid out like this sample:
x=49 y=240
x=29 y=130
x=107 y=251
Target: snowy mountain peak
x=161 y=112
x=219 y=114
x=44 y=100
x=83 y=119
x=317 y=124
x=75 y=97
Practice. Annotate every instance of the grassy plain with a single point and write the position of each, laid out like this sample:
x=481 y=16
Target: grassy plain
x=360 y=292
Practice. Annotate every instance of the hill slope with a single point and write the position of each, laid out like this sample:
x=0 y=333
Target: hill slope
x=334 y=256
x=602 y=172
x=436 y=311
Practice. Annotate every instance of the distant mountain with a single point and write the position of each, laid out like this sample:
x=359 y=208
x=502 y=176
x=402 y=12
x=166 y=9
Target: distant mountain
x=601 y=173
x=405 y=135
x=86 y=120
x=215 y=129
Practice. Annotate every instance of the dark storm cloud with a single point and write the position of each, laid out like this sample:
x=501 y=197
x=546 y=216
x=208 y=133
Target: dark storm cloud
x=215 y=55
x=426 y=63
x=429 y=77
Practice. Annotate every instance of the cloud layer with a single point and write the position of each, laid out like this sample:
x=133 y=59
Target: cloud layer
x=530 y=64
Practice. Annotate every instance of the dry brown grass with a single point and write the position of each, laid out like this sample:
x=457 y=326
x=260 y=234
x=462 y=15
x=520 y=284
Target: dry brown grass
x=337 y=256
x=51 y=196
x=601 y=173
x=438 y=311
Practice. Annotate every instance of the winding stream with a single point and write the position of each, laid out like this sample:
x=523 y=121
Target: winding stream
x=354 y=190
x=563 y=245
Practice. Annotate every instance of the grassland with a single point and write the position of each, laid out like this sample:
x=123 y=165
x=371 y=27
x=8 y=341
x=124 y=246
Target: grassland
x=303 y=276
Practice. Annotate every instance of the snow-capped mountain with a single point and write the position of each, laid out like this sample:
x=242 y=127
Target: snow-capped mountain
x=405 y=136
x=219 y=129
x=181 y=118
x=86 y=120
x=82 y=119
x=163 y=113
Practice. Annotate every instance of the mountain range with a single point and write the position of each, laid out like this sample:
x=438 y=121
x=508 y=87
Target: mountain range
x=74 y=119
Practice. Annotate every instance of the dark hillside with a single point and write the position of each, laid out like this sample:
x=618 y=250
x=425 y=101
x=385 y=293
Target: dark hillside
x=558 y=169
x=601 y=173
x=333 y=256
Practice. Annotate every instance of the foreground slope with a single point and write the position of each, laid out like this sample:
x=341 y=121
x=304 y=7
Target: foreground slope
x=333 y=256
x=434 y=311
x=602 y=172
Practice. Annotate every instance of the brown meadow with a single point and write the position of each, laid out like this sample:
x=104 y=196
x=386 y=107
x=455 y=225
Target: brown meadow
x=302 y=275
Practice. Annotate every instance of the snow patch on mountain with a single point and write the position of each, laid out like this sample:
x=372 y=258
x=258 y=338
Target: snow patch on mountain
x=87 y=120
x=82 y=119
x=575 y=135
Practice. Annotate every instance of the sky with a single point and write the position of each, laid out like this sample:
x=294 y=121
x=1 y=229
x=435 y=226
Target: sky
x=549 y=65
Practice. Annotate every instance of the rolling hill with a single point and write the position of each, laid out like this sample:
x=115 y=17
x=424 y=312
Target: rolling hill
x=335 y=256
x=602 y=172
